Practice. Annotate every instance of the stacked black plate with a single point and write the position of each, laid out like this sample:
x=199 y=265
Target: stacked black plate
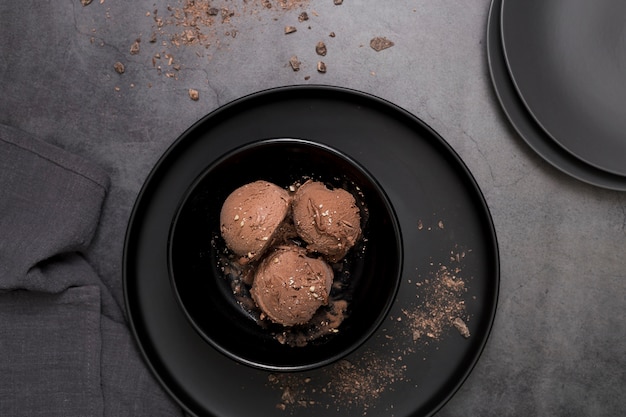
x=559 y=70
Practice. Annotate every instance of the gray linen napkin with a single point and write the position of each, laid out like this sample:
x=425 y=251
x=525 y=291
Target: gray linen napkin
x=65 y=349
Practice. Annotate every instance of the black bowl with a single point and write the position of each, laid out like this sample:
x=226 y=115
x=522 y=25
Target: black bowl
x=203 y=284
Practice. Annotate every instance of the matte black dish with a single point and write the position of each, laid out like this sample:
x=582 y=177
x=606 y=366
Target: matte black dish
x=369 y=273
x=526 y=126
x=440 y=211
x=567 y=59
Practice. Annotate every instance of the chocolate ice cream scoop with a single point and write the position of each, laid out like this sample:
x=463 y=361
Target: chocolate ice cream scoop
x=328 y=220
x=251 y=216
x=289 y=286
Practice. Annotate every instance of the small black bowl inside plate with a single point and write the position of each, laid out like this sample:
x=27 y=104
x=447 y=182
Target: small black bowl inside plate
x=213 y=301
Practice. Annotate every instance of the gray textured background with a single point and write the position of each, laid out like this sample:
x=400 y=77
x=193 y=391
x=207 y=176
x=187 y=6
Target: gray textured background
x=558 y=346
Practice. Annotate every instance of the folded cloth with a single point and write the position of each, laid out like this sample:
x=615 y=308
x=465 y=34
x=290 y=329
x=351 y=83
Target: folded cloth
x=50 y=353
x=65 y=349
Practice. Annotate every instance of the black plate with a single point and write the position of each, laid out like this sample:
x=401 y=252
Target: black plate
x=567 y=59
x=441 y=212
x=524 y=123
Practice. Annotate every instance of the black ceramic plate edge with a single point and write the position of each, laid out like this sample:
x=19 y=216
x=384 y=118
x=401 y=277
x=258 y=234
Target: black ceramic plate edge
x=534 y=136
x=517 y=53
x=139 y=209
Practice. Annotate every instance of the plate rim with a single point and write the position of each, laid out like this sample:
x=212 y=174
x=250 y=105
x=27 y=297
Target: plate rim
x=526 y=128
x=495 y=265
x=522 y=93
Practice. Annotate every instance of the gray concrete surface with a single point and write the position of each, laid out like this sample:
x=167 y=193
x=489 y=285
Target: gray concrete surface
x=558 y=346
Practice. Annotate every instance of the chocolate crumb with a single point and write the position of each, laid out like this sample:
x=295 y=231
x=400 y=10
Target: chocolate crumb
x=295 y=63
x=290 y=29
x=134 y=48
x=303 y=16
x=287 y=396
x=332 y=34
x=338 y=2
x=321 y=67
x=119 y=67
x=226 y=14
x=320 y=48
x=194 y=94
x=379 y=43
x=308 y=77
x=461 y=327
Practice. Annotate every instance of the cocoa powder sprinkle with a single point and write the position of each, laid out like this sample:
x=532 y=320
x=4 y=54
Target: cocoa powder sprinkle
x=361 y=380
x=354 y=383
x=441 y=306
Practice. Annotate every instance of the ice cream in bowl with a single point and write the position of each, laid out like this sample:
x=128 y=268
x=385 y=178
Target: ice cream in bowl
x=285 y=254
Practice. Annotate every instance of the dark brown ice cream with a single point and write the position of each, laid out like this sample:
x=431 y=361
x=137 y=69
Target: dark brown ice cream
x=327 y=220
x=251 y=216
x=289 y=286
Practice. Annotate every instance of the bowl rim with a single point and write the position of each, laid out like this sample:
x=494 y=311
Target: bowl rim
x=371 y=329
